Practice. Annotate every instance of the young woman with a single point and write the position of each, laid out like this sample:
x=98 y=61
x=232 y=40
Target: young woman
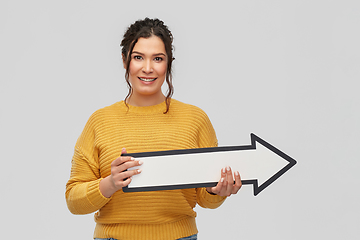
x=147 y=120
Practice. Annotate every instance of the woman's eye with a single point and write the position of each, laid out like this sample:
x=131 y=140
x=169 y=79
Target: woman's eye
x=158 y=59
x=137 y=57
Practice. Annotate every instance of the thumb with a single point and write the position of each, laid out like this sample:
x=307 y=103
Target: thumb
x=123 y=151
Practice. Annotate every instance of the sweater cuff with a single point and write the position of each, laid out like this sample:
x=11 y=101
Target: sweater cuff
x=212 y=198
x=207 y=200
x=94 y=195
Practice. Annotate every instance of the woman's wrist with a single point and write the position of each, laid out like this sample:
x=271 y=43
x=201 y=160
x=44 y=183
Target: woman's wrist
x=106 y=187
x=210 y=192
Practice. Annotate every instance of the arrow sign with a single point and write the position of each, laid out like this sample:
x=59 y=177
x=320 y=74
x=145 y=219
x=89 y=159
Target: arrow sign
x=259 y=164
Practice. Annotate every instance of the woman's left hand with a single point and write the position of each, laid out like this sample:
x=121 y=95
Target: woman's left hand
x=226 y=186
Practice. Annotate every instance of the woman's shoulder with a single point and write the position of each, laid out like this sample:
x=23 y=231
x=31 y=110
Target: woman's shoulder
x=109 y=110
x=177 y=105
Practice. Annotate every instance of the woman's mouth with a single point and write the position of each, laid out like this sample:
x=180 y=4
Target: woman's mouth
x=147 y=79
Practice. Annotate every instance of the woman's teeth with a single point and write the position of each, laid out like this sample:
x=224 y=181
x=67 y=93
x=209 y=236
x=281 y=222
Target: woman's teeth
x=147 y=79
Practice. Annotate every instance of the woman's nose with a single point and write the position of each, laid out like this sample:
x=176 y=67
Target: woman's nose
x=147 y=67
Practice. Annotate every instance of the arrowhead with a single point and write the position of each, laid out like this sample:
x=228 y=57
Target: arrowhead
x=271 y=163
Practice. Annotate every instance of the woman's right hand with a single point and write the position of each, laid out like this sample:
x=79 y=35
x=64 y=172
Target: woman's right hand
x=119 y=176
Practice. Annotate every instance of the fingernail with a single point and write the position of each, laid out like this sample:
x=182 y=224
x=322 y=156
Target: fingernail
x=237 y=173
x=223 y=170
x=228 y=168
x=132 y=158
x=222 y=180
x=140 y=162
x=139 y=170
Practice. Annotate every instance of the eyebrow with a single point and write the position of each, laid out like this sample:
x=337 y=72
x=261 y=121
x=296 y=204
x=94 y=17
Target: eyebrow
x=156 y=54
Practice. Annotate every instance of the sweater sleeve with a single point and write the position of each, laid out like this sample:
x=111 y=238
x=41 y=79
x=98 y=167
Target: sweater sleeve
x=207 y=138
x=82 y=194
x=207 y=200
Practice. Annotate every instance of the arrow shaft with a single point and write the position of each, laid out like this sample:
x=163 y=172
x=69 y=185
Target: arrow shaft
x=192 y=168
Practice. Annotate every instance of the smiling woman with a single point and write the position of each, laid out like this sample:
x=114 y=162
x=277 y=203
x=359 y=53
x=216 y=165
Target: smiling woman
x=147 y=120
x=152 y=30
x=147 y=72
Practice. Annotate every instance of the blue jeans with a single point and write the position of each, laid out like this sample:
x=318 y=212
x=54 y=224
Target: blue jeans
x=193 y=237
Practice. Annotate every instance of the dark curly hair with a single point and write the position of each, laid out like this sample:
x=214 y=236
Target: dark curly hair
x=145 y=29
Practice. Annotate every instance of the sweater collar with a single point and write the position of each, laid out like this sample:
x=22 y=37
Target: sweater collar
x=158 y=108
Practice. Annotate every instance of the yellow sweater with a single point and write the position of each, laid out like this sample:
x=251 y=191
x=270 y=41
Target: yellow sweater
x=140 y=215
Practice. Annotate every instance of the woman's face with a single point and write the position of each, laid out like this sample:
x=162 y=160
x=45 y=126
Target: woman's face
x=147 y=69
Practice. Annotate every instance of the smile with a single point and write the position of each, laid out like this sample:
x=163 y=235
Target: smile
x=147 y=79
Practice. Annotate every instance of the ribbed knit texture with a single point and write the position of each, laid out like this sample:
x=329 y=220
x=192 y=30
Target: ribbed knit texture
x=141 y=215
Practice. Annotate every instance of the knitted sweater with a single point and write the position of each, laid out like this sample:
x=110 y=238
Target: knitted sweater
x=139 y=215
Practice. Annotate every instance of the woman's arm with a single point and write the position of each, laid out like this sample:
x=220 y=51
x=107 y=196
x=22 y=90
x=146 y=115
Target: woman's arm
x=83 y=194
x=86 y=191
x=82 y=190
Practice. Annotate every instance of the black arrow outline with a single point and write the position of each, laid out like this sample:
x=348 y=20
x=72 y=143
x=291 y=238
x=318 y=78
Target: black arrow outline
x=254 y=182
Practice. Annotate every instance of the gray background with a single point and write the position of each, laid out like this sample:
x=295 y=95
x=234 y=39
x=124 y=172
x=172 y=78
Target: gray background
x=287 y=71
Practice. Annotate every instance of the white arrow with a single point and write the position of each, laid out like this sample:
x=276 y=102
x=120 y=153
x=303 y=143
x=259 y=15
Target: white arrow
x=259 y=164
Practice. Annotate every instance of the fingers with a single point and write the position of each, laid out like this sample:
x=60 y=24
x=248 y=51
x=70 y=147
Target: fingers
x=123 y=163
x=220 y=188
x=227 y=186
x=237 y=184
x=120 y=175
x=232 y=186
x=123 y=179
x=120 y=182
x=121 y=159
x=123 y=151
x=229 y=181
